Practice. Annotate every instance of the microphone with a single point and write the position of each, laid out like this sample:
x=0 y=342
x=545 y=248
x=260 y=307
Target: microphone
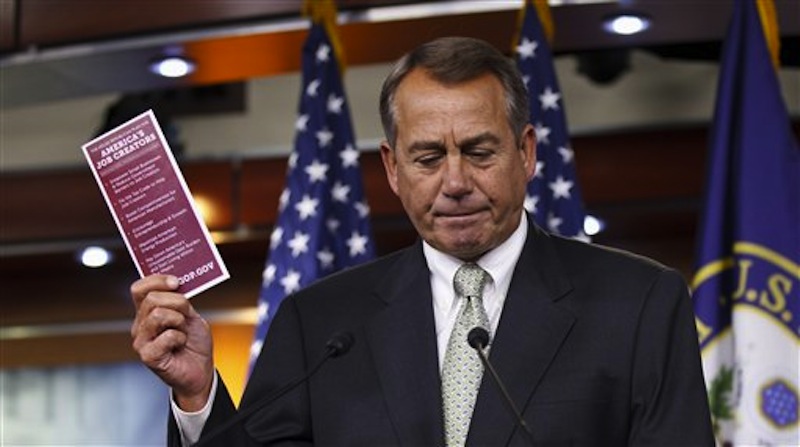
x=339 y=344
x=478 y=338
x=336 y=346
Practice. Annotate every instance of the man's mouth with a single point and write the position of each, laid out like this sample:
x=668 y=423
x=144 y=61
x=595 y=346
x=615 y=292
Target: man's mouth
x=460 y=215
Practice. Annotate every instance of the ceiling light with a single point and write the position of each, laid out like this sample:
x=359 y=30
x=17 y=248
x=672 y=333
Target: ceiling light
x=626 y=24
x=592 y=225
x=172 y=66
x=95 y=257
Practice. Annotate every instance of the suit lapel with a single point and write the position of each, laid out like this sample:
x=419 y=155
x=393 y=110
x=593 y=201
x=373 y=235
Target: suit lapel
x=403 y=345
x=531 y=331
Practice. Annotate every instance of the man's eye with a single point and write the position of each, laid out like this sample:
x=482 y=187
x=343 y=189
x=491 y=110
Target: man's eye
x=479 y=154
x=428 y=159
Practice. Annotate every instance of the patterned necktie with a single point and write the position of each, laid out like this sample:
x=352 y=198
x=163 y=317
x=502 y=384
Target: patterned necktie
x=462 y=370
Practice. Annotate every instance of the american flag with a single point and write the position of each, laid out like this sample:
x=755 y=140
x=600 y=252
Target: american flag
x=553 y=196
x=323 y=223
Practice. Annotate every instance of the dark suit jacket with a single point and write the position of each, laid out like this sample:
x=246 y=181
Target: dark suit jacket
x=596 y=346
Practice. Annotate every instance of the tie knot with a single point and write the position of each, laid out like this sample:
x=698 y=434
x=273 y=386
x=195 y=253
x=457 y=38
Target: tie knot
x=469 y=280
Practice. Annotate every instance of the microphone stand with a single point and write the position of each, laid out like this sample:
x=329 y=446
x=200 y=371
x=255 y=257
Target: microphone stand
x=478 y=338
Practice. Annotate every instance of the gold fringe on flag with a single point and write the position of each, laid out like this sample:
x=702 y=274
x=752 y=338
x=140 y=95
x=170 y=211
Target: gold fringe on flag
x=545 y=18
x=324 y=12
x=769 y=23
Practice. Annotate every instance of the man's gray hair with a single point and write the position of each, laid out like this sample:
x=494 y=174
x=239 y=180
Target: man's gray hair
x=452 y=60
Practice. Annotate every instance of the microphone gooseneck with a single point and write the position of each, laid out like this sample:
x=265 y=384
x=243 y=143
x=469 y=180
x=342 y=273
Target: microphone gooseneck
x=339 y=344
x=478 y=338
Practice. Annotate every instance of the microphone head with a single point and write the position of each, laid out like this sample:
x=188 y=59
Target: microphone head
x=339 y=343
x=478 y=338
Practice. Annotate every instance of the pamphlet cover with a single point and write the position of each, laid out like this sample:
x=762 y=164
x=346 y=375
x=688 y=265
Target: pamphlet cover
x=152 y=206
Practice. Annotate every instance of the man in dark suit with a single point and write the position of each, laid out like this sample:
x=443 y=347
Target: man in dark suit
x=596 y=346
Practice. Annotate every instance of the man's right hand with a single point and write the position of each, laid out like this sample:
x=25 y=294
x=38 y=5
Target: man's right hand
x=173 y=340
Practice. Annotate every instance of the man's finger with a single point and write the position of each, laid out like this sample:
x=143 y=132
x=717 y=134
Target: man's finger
x=157 y=321
x=157 y=351
x=142 y=287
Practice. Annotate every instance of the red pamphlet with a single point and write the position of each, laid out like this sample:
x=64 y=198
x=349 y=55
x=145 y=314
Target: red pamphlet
x=152 y=206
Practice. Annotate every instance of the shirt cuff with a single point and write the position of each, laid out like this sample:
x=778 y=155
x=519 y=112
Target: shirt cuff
x=190 y=424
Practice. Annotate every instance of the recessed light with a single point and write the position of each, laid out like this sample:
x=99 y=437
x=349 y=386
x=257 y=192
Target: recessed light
x=95 y=257
x=592 y=225
x=626 y=24
x=172 y=66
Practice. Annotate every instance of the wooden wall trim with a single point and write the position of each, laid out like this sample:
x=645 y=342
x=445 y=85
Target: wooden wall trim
x=8 y=24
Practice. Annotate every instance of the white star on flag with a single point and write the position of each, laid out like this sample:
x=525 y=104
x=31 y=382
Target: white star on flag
x=263 y=310
x=284 y=199
x=561 y=188
x=335 y=104
x=527 y=48
x=553 y=222
x=299 y=243
x=306 y=207
x=542 y=133
x=267 y=277
x=349 y=157
x=255 y=348
x=333 y=225
x=340 y=191
x=566 y=153
x=539 y=169
x=549 y=99
x=312 y=88
x=276 y=236
x=324 y=137
x=530 y=203
x=316 y=171
x=326 y=258
x=301 y=124
x=323 y=53
x=362 y=208
x=357 y=244
x=291 y=282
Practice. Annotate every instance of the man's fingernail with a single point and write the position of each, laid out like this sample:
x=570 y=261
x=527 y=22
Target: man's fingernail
x=172 y=282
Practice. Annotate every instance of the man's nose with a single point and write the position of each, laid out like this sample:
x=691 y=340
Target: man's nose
x=456 y=177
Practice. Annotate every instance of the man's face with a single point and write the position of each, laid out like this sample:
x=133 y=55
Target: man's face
x=456 y=165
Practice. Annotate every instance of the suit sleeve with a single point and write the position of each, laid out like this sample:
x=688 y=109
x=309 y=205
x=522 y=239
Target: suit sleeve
x=285 y=422
x=669 y=400
x=283 y=359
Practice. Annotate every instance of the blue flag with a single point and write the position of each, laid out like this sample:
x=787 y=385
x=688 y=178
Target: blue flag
x=747 y=285
x=322 y=223
x=553 y=196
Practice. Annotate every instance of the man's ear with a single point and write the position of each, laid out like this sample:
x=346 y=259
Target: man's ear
x=528 y=150
x=389 y=159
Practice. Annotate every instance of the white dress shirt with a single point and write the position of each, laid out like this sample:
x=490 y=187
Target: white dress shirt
x=499 y=263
